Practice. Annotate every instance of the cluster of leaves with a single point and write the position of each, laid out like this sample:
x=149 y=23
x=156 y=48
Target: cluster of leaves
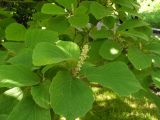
x=39 y=61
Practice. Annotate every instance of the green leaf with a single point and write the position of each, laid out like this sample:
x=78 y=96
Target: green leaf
x=124 y=3
x=100 y=34
x=3 y=56
x=40 y=94
x=39 y=16
x=109 y=21
x=155 y=60
x=147 y=30
x=110 y=50
x=134 y=34
x=23 y=58
x=59 y=24
x=94 y=56
x=98 y=10
x=15 y=32
x=69 y=4
x=132 y=23
x=53 y=9
x=79 y=20
x=86 y=4
x=153 y=47
x=46 y=53
x=70 y=97
x=70 y=48
x=81 y=10
x=3 y=117
x=7 y=104
x=50 y=71
x=14 y=47
x=28 y=110
x=17 y=76
x=139 y=60
x=35 y=36
x=115 y=75
x=156 y=77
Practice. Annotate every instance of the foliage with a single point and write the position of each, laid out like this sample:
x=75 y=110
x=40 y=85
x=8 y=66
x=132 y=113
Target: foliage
x=70 y=45
x=152 y=17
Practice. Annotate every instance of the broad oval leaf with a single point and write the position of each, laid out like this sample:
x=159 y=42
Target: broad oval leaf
x=100 y=33
x=81 y=10
x=110 y=50
x=139 y=59
x=153 y=47
x=98 y=10
x=40 y=94
x=70 y=97
x=70 y=48
x=53 y=9
x=132 y=23
x=134 y=34
x=17 y=76
x=79 y=20
x=115 y=75
x=35 y=36
x=23 y=58
x=109 y=21
x=47 y=53
x=28 y=110
x=59 y=24
x=14 y=47
x=15 y=32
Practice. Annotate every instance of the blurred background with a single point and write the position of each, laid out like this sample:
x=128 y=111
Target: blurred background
x=150 y=11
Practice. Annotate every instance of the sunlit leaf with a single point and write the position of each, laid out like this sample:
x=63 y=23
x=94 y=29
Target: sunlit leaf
x=139 y=59
x=17 y=76
x=115 y=75
x=31 y=111
x=15 y=32
x=70 y=97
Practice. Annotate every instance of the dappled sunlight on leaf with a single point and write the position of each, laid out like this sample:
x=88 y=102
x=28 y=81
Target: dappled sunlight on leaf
x=15 y=92
x=114 y=51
